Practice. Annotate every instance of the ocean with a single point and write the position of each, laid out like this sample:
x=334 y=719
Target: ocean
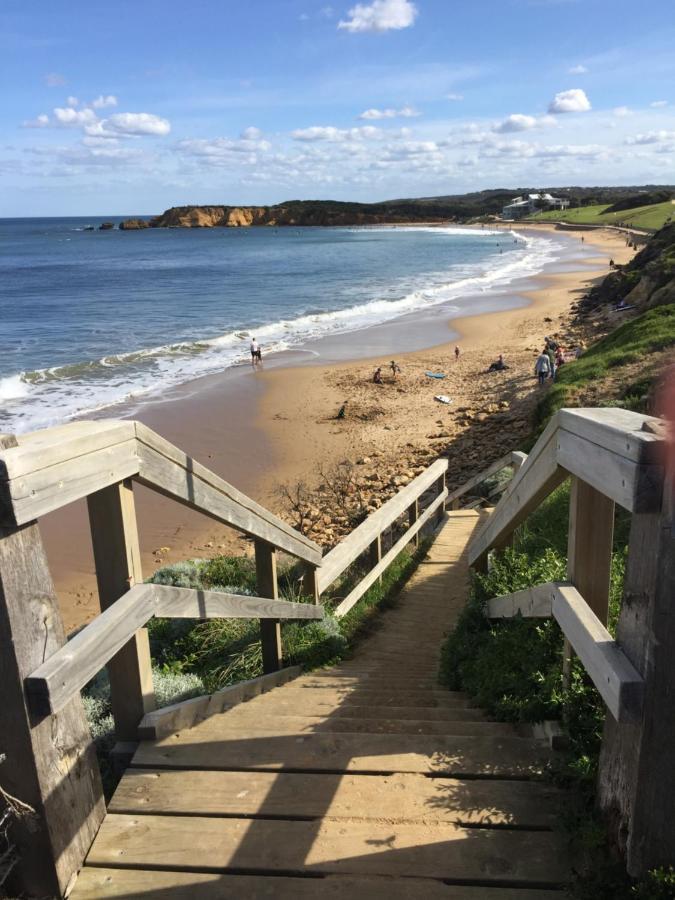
x=95 y=319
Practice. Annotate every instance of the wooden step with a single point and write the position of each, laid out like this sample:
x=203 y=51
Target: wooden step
x=450 y=755
x=125 y=884
x=362 y=696
x=395 y=798
x=331 y=847
x=251 y=720
x=423 y=714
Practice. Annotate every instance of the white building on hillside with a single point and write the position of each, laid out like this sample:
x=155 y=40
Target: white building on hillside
x=531 y=203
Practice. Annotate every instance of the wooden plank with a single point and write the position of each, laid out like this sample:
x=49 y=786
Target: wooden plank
x=589 y=546
x=433 y=754
x=413 y=516
x=482 y=476
x=618 y=430
x=371 y=577
x=50 y=762
x=187 y=603
x=53 y=684
x=535 y=479
x=327 y=847
x=358 y=541
x=177 y=716
x=395 y=798
x=636 y=783
x=634 y=486
x=618 y=683
x=168 y=470
x=310 y=582
x=517 y=459
x=34 y=494
x=270 y=629
x=117 y=556
x=48 y=447
x=533 y=602
x=120 y=884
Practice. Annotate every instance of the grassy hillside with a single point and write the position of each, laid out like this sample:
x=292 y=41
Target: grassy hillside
x=651 y=217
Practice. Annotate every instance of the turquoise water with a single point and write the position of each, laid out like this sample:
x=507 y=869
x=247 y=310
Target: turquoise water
x=93 y=319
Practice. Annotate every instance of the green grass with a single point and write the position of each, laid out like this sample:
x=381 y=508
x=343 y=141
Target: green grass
x=650 y=218
x=631 y=342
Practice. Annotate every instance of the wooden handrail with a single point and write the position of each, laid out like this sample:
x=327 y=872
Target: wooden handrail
x=362 y=537
x=66 y=672
x=618 y=683
x=607 y=448
x=56 y=466
x=371 y=577
x=514 y=458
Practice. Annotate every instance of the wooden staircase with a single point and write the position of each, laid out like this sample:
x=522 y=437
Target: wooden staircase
x=366 y=780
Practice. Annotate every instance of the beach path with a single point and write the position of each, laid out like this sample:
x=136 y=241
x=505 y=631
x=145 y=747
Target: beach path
x=365 y=780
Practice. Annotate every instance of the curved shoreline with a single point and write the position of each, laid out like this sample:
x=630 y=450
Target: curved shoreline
x=277 y=425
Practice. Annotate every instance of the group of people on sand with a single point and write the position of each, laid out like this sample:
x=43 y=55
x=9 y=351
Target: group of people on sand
x=395 y=372
x=551 y=358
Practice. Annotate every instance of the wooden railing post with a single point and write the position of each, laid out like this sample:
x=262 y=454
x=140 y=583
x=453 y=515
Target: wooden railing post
x=440 y=487
x=310 y=582
x=636 y=783
x=50 y=762
x=413 y=516
x=589 y=552
x=270 y=629
x=117 y=557
x=375 y=554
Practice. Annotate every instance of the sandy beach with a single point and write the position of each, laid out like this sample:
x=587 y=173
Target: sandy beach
x=259 y=430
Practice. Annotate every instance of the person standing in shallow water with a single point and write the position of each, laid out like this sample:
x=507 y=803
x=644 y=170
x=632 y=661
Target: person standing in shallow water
x=255 y=352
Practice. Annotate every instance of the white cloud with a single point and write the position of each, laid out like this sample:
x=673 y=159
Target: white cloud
x=381 y=15
x=621 y=112
x=77 y=117
x=224 y=151
x=659 y=104
x=406 y=112
x=577 y=70
x=251 y=133
x=42 y=121
x=101 y=102
x=72 y=101
x=454 y=96
x=334 y=135
x=574 y=100
x=516 y=122
x=137 y=123
x=53 y=79
x=652 y=137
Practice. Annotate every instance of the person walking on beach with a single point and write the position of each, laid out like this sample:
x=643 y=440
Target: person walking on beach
x=542 y=367
x=255 y=352
x=457 y=351
x=395 y=369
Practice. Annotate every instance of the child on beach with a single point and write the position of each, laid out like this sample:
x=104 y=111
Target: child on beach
x=498 y=366
x=377 y=377
x=457 y=351
x=395 y=369
x=342 y=411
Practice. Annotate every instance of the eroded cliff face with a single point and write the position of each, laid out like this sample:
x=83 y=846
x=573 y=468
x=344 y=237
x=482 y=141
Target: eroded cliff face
x=294 y=213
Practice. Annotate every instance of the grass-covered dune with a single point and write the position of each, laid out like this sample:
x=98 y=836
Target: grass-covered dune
x=649 y=217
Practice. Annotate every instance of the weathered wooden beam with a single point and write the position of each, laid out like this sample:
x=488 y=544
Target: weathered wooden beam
x=636 y=782
x=117 y=557
x=54 y=683
x=171 y=472
x=635 y=486
x=617 y=430
x=371 y=577
x=270 y=629
x=51 y=762
x=535 y=479
x=169 y=719
x=619 y=684
x=186 y=603
x=360 y=539
x=533 y=602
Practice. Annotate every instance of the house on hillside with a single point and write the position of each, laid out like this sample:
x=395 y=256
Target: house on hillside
x=531 y=203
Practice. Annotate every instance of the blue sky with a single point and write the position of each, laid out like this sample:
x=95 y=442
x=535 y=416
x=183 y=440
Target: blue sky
x=130 y=107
